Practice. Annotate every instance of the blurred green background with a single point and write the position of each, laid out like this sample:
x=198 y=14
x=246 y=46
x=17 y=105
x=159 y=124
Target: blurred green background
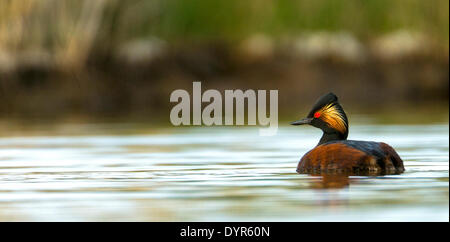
x=120 y=60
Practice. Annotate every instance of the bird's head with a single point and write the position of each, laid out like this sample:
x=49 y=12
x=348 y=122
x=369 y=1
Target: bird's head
x=328 y=115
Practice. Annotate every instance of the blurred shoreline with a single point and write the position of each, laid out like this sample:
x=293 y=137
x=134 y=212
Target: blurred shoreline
x=366 y=78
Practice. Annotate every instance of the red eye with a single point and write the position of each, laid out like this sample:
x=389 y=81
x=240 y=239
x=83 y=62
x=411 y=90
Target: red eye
x=316 y=115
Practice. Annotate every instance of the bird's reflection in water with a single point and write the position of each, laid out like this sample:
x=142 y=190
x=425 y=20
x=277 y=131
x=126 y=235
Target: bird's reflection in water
x=330 y=191
x=327 y=181
x=339 y=179
x=332 y=188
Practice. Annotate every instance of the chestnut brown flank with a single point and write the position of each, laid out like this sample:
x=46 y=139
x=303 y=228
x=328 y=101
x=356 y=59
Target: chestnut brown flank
x=331 y=156
x=339 y=157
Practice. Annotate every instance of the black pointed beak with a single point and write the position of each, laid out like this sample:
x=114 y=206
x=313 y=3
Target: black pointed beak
x=302 y=121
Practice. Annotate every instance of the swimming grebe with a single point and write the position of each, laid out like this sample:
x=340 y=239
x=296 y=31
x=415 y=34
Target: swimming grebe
x=335 y=153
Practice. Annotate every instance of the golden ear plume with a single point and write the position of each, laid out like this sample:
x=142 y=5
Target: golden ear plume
x=333 y=117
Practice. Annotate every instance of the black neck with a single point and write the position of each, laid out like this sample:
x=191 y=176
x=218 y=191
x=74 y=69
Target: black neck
x=326 y=137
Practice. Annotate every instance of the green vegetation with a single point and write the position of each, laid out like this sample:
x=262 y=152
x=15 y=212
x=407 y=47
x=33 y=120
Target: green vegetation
x=228 y=19
x=51 y=23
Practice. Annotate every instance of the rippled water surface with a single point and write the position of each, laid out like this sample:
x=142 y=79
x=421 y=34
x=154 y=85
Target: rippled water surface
x=214 y=174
